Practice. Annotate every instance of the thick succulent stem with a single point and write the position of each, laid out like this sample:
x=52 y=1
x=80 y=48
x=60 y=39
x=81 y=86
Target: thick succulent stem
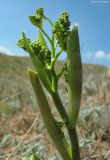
x=74 y=143
x=59 y=106
x=71 y=130
x=74 y=75
x=55 y=133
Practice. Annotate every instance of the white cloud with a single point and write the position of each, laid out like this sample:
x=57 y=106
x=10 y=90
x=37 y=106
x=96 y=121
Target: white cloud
x=5 y=50
x=99 y=54
x=108 y=56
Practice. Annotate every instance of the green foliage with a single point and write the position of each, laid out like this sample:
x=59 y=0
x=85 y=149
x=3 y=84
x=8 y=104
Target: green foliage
x=54 y=131
x=60 y=123
x=33 y=156
x=41 y=39
x=6 y=109
x=39 y=13
x=5 y=139
x=86 y=141
x=61 y=29
x=38 y=18
x=74 y=74
x=42 y=52
x=22 y=45
x=65 y=72
x=44 y=59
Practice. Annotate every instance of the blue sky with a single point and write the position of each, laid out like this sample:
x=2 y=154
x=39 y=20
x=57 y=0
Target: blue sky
x=92 y=16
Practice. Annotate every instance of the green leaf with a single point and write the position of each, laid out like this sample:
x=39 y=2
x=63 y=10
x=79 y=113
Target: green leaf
x=36 y=22
x=55 y=133
x=41 y=39
x=34 y=157
x=38 y=66
x=74 y=75
x=5 y=140
x=86 y=141
x=33 y=20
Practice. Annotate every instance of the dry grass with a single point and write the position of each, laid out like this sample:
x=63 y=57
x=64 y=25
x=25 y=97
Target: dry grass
x=18 y=112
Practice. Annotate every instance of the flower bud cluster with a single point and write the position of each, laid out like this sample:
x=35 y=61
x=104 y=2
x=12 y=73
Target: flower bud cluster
x=42 y=52
x=59 y=123
x=61 y=29
x=22 y=45
x=39 y=15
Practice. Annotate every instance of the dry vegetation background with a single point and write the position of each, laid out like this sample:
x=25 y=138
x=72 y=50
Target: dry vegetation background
x=21 y=128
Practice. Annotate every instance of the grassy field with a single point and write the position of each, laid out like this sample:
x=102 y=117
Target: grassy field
x=20 y=120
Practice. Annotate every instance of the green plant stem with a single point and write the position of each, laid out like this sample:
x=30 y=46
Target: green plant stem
x=46 y=35
x=52 y=43
x=58 y=54
x=61 y=72
x=74 y=143
x=56 y=45
x=54 y=80
x=59 y=106
x=49 y=39
x=55 y=133
x=53 y=38
x=49 y=21
x=54 y=58
x=71 y=130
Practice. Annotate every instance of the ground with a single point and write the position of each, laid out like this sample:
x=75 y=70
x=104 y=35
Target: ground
x=21 y=126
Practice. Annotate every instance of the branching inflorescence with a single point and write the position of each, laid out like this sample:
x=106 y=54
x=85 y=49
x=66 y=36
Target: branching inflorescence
x=44 y=59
